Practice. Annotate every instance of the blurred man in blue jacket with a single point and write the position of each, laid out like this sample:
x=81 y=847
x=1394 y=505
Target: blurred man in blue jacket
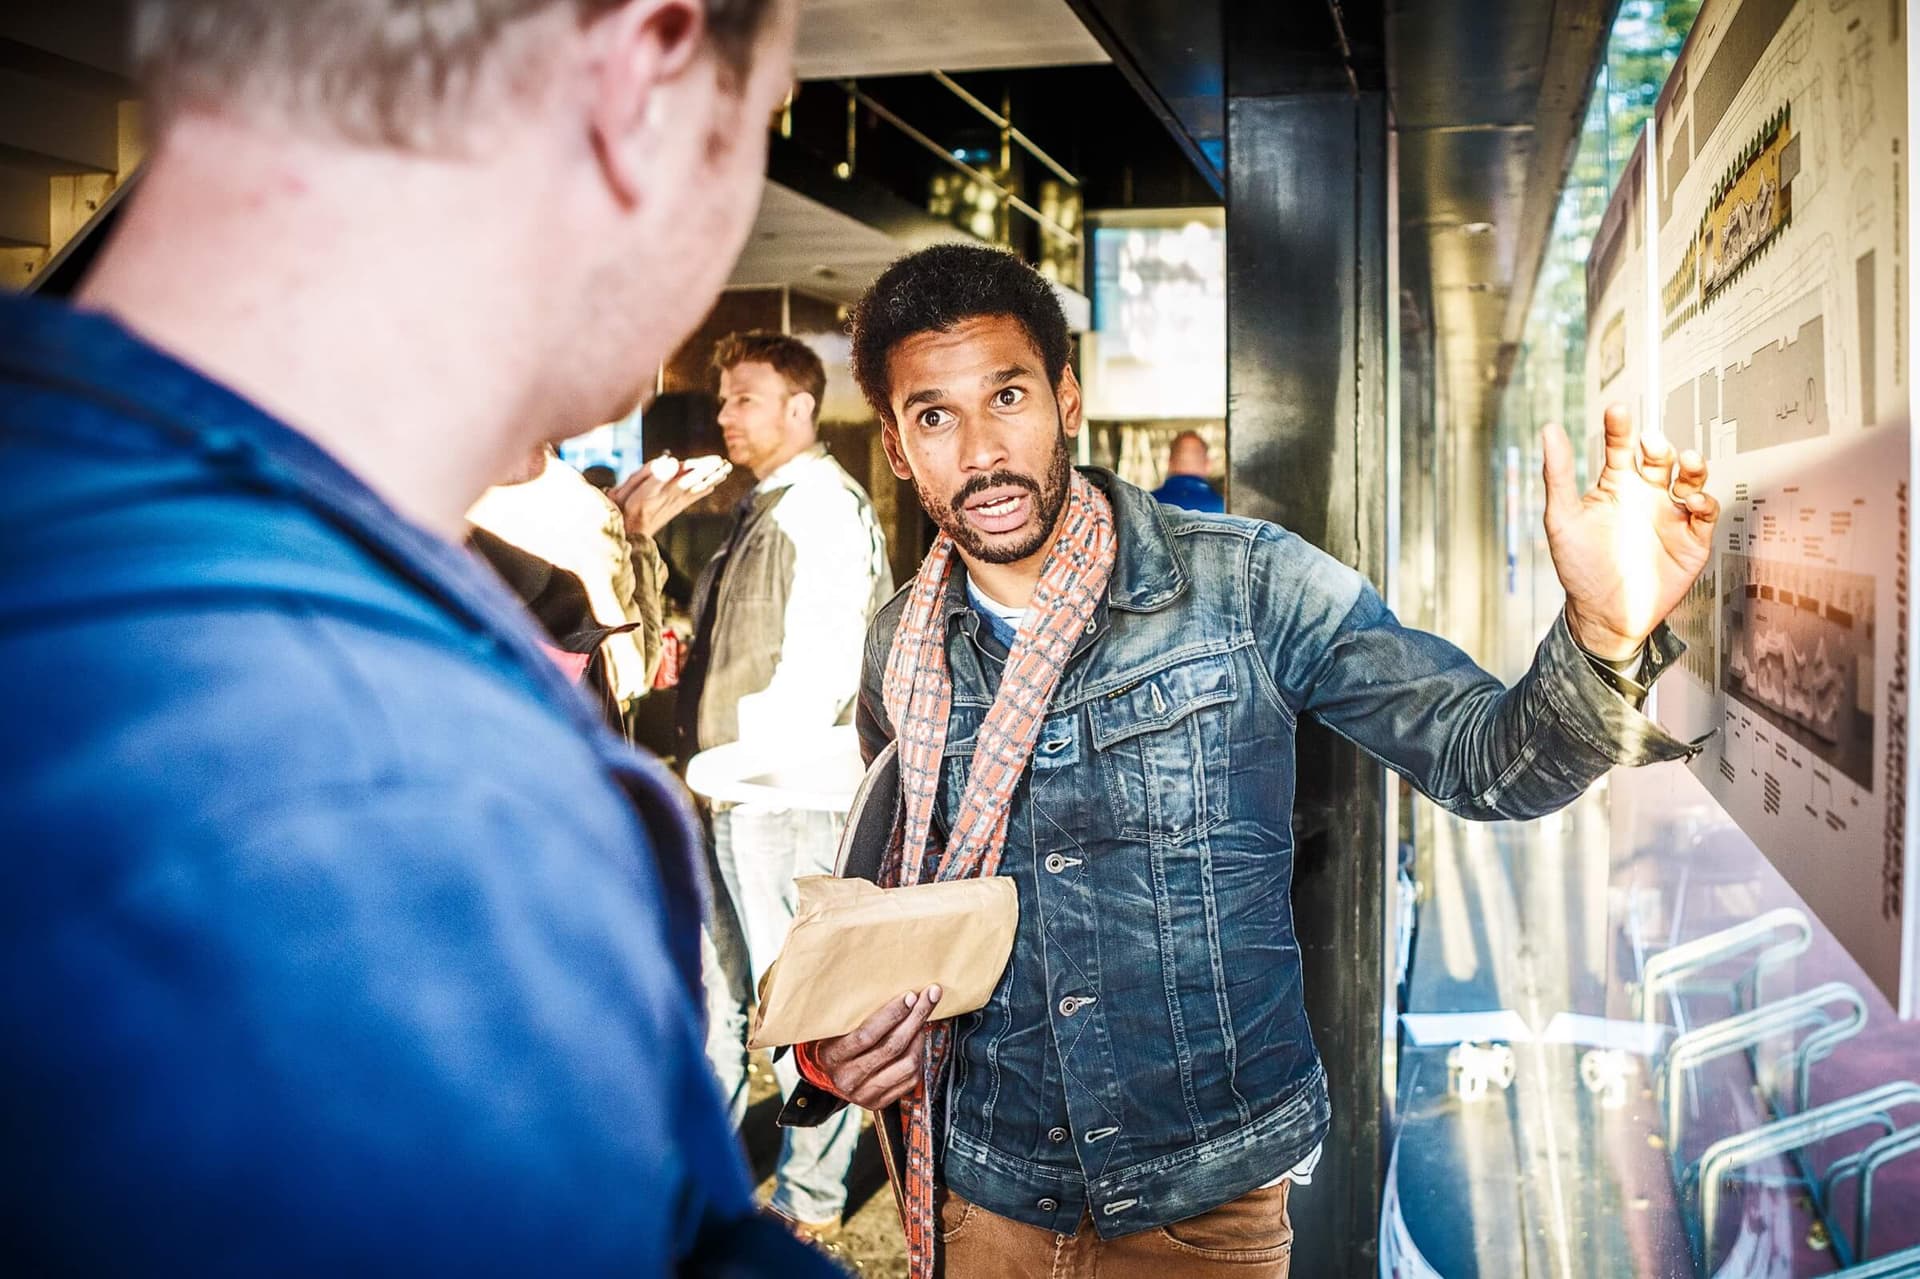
x=1187 y=485
x=337 y=934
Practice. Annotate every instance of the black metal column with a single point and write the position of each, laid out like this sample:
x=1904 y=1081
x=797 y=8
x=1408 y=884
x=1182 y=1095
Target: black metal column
x=1309 y=301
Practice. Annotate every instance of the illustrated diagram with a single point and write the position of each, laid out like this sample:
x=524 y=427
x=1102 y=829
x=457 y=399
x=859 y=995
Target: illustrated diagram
x=1762 y=320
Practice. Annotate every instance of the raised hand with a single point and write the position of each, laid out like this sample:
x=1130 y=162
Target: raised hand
x=1628 y=549
x=664 y=487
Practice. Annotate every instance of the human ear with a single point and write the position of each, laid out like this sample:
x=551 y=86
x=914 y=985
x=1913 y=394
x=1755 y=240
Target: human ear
x=639 y=52
x=1067 y=396
x=896 y=454
x=800 y=408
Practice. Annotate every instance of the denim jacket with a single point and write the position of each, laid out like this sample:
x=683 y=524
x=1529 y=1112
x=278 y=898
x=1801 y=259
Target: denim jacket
x=1146 y=1056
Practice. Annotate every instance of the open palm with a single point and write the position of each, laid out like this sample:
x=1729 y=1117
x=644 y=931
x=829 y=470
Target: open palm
x=1628 y=549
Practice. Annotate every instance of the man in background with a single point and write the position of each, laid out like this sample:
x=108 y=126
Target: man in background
x=605 y=540
x=1188 y=466
x=338 y=935
x=780 y=616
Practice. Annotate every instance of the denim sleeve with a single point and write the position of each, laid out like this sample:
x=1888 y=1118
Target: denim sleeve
x=1425 y=709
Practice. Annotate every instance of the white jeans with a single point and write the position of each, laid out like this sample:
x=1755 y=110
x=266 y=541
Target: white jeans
x=758 y=853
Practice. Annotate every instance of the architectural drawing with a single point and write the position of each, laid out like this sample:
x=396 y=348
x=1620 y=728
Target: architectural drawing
x=1778 y=346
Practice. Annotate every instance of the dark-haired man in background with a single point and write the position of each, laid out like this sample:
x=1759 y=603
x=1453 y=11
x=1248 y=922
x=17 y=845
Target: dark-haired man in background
x=338 y=937
x=1096 y=695
x=779 y=617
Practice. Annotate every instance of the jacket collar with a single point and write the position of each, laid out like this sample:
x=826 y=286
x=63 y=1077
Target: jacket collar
x=1148 y=574
x=789 y=472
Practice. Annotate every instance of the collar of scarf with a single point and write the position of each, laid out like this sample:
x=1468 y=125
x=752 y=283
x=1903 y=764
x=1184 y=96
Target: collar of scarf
x=918 y=692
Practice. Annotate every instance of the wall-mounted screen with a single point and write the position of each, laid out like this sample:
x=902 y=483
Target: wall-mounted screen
x=1158 y=346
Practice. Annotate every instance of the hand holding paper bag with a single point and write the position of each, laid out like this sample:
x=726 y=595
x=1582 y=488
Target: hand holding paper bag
x=854 y=947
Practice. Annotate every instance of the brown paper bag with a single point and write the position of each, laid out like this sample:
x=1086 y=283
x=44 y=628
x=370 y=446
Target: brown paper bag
x=854 y=946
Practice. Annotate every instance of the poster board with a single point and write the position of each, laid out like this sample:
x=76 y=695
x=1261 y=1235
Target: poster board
x=1777 y=196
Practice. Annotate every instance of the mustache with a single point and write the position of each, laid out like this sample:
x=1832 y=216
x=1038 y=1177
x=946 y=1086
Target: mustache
x=992 y=480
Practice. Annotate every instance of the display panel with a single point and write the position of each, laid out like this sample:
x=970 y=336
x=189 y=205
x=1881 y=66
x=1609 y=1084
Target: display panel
x=1778 y=347
x=1158 y=346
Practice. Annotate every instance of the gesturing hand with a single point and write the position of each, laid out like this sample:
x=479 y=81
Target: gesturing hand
x=664 y=487
x=1628 y=549
x=879 y=1063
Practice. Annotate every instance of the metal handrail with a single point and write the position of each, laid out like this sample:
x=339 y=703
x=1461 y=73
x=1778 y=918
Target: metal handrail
x=1669 y=966
x=1786 y=1135
x=1002 y=122
x=1745 y=1030
x=855 y=94
x=1865 y=1164
x=1896 y=1265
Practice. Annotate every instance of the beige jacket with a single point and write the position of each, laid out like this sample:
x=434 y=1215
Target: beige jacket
x=566 y=521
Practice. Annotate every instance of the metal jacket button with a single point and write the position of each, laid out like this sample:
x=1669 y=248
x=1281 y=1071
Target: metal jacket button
x=1073 y=1004
x=1057 y=1134
x=1048 y=1205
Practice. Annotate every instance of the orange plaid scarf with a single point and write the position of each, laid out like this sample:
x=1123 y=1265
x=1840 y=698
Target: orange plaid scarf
x=918 y=692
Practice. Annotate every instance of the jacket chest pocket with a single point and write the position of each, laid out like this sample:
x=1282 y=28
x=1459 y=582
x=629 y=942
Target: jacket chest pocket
x=1056 y=748
x=1163 y=748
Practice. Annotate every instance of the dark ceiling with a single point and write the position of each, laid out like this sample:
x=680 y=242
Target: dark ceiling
x=1487 y=98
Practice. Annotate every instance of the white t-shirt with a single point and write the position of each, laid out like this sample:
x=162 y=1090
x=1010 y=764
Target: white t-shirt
x=986 y=603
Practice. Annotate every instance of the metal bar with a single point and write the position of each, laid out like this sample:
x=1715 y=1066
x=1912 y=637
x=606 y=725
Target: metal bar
x=1898 y=1265
x=1846 y=1168
x=1669 y=966
x=1718 y=1039
x=1003 y=122
x=949 y=159
x=853 y=128
x=1782 y=1136
x=1881 y=1152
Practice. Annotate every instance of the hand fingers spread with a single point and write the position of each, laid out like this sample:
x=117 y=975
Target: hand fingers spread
x=645 y=490
x=705 y=482
x=1556 y=469
x=1702 y=511
x=1690 y=476
x=1619 y=448
x=1655 y=459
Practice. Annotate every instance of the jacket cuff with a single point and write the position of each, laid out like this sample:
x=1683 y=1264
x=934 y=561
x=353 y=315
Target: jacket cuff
x=810 y=1068
x=1599 y=715
x=810 y=1105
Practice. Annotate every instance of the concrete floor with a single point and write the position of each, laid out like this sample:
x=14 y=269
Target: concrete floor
x=870 y=1244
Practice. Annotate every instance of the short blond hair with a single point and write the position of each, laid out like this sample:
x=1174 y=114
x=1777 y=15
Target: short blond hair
x=390 y=71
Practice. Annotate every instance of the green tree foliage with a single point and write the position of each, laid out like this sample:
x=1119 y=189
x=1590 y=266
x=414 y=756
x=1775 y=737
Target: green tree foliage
x=1549 y=379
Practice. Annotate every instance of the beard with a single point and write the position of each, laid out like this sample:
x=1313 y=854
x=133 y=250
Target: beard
x=1049 y=499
